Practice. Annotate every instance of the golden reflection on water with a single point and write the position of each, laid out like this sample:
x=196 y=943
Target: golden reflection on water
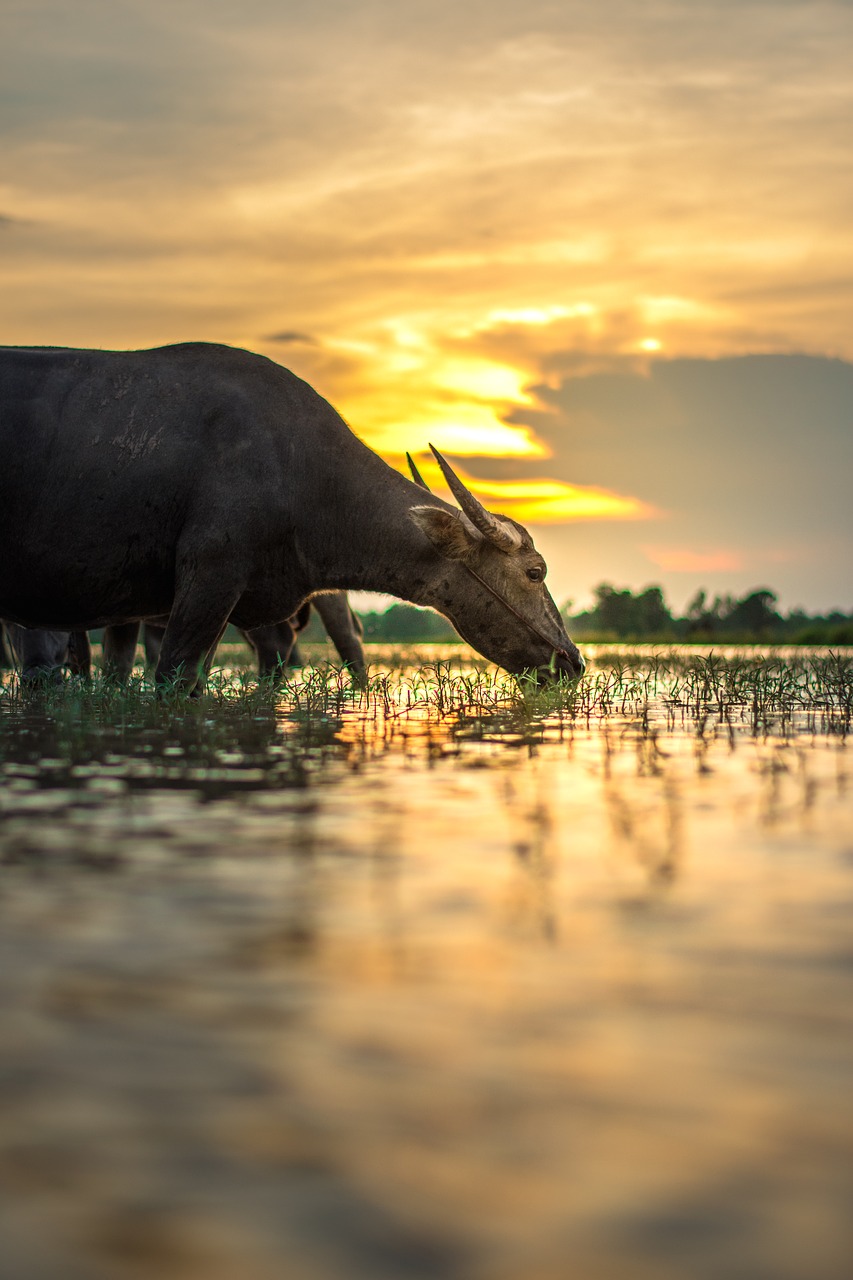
x=397 y=993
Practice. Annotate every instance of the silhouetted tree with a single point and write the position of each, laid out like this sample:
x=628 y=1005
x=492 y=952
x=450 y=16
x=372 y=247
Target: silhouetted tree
x=755 y=615
x=619 y=614
x=407 y=624
x=624 y=615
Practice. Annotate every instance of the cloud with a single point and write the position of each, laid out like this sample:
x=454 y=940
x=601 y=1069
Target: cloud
x=473 y=224
x=291 y=336
x=395 y=159
x=541 y=501
x=747 y=459
x=737 y=467
x=685 y=560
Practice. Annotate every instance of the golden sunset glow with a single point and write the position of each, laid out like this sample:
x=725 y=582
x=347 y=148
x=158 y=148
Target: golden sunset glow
x=538 y=501
x=416 y=394
x=464 y=429
x=483 y=380
x=537 y=315
x=552 y=502
x=518 y=241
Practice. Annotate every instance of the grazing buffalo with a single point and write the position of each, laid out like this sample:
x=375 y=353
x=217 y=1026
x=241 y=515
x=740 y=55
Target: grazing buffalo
x=41 y=654
x=205 y=483
x=342 y=624
x=275 y=645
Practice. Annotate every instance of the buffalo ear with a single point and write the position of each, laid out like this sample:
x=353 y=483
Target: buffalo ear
x=445 y=531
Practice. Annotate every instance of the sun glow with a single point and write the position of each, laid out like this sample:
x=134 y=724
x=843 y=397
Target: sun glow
x=483 y=380
x=537 y=315
x=464 y=429
x=555 y=502
x=402 y=388
x=541 y=501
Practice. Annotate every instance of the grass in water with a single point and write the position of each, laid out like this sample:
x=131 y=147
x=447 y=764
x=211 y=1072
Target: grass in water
x=762 y=691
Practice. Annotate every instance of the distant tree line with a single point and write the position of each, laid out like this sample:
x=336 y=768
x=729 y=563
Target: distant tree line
x=399 y=624
x=621 y=614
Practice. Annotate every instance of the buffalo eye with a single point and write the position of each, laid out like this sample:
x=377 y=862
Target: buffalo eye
x=536 y=574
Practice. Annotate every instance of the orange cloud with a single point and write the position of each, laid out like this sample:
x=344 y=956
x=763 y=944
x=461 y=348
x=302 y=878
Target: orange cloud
x=555 y=502
x=683 y=560
x=543 y=501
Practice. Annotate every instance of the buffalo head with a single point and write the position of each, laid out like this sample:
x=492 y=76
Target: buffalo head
x=501 y=604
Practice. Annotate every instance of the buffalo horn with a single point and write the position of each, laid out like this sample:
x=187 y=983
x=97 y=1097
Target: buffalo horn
x=416 y=475
x=499 y=534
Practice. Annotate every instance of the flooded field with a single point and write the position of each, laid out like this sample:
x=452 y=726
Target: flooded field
x=433 y=979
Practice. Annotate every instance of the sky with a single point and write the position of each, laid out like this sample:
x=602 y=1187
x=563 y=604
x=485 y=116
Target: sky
x=600 y=255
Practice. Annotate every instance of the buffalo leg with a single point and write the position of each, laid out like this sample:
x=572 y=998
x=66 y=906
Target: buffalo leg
x=152 y=639
x=40 y=654
x=296 y=624
x=208 y=662
x=199 y=616
x=120 y=650
x=273 y=646
x=343 y=627
x=80 y=654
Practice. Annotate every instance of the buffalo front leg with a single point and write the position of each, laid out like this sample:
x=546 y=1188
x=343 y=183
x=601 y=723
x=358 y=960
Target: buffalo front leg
x=119 y=652
x=344 y=628
x=152 y=639
x=208 y=661
x=80 y=654
x=295 y=626
x=273 y=646
x=199 y=616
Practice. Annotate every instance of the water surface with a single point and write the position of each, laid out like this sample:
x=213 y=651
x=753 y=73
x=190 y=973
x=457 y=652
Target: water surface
x=389 y=987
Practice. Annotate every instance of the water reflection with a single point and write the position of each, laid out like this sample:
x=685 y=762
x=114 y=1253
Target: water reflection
x=396 y=991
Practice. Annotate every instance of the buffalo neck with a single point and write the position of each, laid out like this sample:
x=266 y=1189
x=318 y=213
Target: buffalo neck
x=363 y=538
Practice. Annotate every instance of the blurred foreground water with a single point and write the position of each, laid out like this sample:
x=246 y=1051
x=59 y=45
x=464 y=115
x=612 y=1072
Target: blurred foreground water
x=389 y=991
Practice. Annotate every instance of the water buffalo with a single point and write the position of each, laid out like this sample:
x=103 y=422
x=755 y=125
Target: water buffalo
x=204 y=483
x=275 y=645
x=342 y=624
x=41 y=654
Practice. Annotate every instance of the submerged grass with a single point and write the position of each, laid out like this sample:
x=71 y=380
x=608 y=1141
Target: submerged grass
x=763 y=691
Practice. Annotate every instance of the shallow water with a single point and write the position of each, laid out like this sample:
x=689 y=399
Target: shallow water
x=386 y=993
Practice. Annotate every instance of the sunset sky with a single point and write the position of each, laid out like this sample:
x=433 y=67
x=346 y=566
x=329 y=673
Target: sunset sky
x=602 y=255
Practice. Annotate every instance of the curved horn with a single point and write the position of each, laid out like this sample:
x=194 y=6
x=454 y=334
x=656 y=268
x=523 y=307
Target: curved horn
x=416 y=475
x=499 y=534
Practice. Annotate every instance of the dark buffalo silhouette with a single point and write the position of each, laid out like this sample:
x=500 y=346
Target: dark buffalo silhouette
x=204 y=483
x=275 y=645
x=41 y=654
